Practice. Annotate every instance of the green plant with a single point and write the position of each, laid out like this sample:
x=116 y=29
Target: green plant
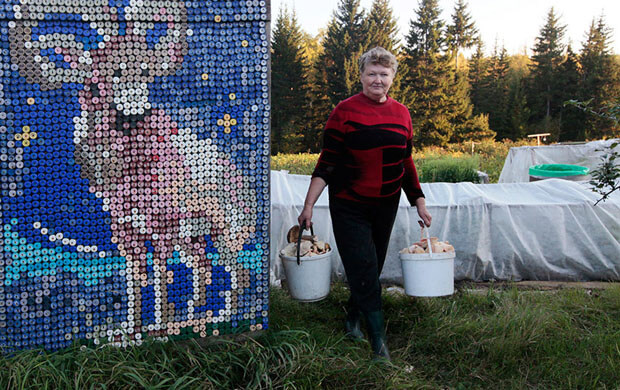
x=610 y=110
x=449 y=169
x=606 y=176
x=491 y=155
x=298 y=164
x=499 y=337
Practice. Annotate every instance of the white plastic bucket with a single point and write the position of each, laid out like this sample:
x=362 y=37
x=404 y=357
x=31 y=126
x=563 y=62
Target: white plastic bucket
x=428 y=275
x=309 y=281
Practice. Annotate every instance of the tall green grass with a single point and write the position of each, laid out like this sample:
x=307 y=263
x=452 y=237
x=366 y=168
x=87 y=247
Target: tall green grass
x=495 y=339
x=298 y=164
x=449 y=170
x=489 y=157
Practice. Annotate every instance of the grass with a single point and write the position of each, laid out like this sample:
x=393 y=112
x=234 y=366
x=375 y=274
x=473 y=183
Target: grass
x=449 y=170
x=489 y=157
x=298 y=164
x=496 y=339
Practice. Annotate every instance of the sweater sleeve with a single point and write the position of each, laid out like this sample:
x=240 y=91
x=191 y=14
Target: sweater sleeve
x=411 y=183
x=333 y=148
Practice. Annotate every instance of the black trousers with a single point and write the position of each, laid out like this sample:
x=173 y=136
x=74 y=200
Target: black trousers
x=362 y=232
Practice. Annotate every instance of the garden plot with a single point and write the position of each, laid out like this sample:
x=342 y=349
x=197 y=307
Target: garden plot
x=548 y=230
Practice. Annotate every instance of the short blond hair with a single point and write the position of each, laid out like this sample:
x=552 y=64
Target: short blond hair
x=378 y=56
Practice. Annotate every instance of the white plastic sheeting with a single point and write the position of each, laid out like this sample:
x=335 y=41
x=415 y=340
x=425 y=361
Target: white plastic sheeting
x=520 y=159
x=545 y=230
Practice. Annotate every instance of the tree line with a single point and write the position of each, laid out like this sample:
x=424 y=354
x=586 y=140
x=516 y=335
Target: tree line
x=451 y=98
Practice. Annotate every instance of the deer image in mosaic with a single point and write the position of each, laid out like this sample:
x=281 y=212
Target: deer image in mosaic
x=172 y=201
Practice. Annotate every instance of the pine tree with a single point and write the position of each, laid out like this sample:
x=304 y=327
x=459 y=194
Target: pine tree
x=383 y=32
x=438 y=102
x=548 y=55
x=426 y=36
x=428 y=76
x=467 y=127
x=289 y=84
x=343 y=45
x=517 y=111
x=335 y=74
x=497 y=93
x=462 y=33
x=382 y=26
x=600 y=78
x=572 y=120
x=319 y=105
x=477 y=70
x=320 y=108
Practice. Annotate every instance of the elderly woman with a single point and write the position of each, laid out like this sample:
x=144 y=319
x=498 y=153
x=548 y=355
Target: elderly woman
x=366 y=160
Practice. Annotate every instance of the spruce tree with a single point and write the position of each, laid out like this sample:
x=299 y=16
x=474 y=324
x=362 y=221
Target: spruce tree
x=318 y=103
x=462 y=33
x=335 y=74
x=383 y=32
x=343 y=45
x=572 y=120
x=600 y=78
x=426 y=33
x=439 y=103
x=477 y=70
x=547 y=57
x=496 y=104
x=319 y=110
x=467 y=127
x=382 y=26
x=498 y=92
x=428 y=76
x=289 y=84
x=518 y=112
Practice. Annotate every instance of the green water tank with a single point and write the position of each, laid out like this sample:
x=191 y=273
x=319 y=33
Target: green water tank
x=558 y=171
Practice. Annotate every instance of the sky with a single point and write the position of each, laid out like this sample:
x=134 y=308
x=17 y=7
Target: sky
x=511 y=23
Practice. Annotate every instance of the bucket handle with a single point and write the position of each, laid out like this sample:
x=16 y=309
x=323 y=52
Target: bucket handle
x=428 y=239
x=301 y=232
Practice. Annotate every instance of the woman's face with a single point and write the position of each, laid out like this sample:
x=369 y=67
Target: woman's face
x=376 y=81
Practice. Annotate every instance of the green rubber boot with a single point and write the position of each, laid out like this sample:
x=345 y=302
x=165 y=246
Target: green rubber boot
x=352 y=324
x=376 y=333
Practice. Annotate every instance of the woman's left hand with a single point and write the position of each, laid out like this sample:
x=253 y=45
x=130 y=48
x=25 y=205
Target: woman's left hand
x=423 y=212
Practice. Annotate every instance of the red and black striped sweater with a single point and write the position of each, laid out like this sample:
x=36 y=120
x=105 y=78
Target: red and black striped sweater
x=366 y=152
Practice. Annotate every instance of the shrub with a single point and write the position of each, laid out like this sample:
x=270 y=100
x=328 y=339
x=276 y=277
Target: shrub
x=490 y=157
x=492 y=154
x=449 y=169
x=298 y=164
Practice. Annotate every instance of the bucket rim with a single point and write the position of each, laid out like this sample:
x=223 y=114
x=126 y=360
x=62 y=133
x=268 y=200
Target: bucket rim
x=427 y=256
x=306 y=258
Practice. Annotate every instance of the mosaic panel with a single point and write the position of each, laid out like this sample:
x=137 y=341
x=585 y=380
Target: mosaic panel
x=134 y=170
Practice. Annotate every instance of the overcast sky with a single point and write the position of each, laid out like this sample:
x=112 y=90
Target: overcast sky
x=513 y=23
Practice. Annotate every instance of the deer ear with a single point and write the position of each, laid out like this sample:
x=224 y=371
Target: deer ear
x=45 y=58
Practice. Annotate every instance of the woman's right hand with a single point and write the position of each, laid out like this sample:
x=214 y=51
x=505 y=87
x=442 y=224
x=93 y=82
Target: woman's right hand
x=317 y=185
x=305 y=218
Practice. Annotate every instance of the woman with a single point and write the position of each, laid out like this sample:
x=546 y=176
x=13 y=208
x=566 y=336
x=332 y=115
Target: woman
x=366 y=160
